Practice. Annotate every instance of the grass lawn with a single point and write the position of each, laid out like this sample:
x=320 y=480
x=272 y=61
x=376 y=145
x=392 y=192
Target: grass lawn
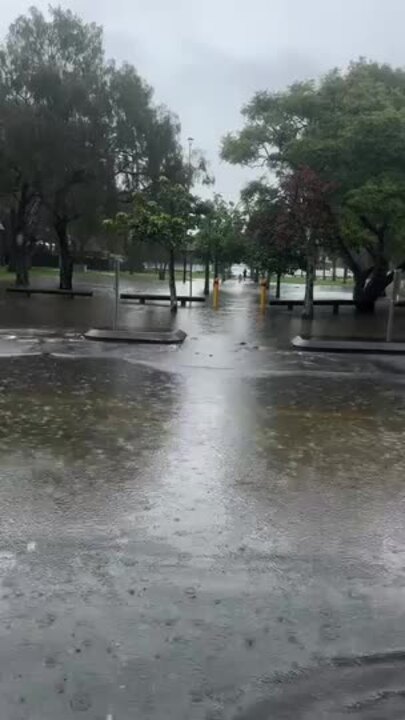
x=96 y=277
x=36 y=272
x=319 y=281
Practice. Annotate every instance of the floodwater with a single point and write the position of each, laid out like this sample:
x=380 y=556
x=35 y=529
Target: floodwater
x=210 y=532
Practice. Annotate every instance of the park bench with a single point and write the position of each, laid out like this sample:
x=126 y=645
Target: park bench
x=49 y=291
x=334 y=303
x=143 y=297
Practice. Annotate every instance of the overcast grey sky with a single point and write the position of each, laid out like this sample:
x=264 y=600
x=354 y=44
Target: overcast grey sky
x=205 y=58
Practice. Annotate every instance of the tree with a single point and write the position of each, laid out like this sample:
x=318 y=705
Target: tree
x=219 y=236
x=164 y=219
x=349 y=129
x=53 y=82
x=19 y=197
x=271 y=245
x=144 y=138
x=304 y=216
x=78 y=133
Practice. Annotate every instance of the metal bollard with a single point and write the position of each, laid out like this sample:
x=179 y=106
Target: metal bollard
x=263 y=295
x=215 y=294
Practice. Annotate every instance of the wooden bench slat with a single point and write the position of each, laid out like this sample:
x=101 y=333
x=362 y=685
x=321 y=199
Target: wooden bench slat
x=321 y=301
x=49 y=291
x=333 y=303
x=142 y=297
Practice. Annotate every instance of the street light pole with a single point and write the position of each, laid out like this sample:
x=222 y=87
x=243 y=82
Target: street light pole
x=190 y=141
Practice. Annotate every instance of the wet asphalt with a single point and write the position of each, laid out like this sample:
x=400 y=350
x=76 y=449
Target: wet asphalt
x=213 y=532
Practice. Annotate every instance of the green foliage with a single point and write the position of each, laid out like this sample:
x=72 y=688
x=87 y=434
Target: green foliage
x=79 y=133
x=219 y=236
x=268 y=247
x=349 y=129
x=164 y=218
x=54 y=102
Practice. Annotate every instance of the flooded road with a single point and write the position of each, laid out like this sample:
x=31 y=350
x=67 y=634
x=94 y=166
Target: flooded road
x=212 y=532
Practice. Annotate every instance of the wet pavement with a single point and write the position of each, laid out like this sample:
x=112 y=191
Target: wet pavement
x=213 y=532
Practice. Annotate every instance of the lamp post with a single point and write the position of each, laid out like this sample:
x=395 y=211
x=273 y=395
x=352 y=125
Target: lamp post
x=190 y=141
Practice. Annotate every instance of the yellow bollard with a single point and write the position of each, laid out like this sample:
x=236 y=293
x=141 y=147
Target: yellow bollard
x=215 y=294
x=263 y=295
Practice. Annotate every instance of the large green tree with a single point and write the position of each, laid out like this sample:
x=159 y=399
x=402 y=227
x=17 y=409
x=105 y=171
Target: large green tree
x=144 y=137
x=79 y=135
x=349 y=128
x=53 y=81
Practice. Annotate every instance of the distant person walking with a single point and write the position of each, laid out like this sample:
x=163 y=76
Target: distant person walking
x=245 y=274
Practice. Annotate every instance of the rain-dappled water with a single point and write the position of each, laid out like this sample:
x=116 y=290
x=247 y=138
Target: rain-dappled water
x=213 y=531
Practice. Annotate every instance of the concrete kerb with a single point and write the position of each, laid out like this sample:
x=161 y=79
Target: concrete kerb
x=371 y=347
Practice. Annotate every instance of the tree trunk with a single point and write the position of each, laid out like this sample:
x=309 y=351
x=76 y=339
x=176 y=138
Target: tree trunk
x=370 y=285
x=334 y=269
x=184 y=268
x=216 y=266
x=20 y=258
x=345 y=274
x=308 y=311
x=19 y=247
x=162 y=272
x=256 y=275
x=278 y=286
x=65 y=255
x=172 y=282
x=324 y=267
x=207 y=276
x=21 y=266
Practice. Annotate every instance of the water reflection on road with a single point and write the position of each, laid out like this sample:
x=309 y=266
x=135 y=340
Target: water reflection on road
x=208 y=532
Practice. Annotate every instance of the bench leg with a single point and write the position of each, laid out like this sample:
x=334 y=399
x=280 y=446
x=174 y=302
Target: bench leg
x=183 y=303
x=290 y=306
x=336 y=309
x=142 y=301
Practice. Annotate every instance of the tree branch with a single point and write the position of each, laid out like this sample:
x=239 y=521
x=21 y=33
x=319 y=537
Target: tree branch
x=378 y=231
x=368 y=225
